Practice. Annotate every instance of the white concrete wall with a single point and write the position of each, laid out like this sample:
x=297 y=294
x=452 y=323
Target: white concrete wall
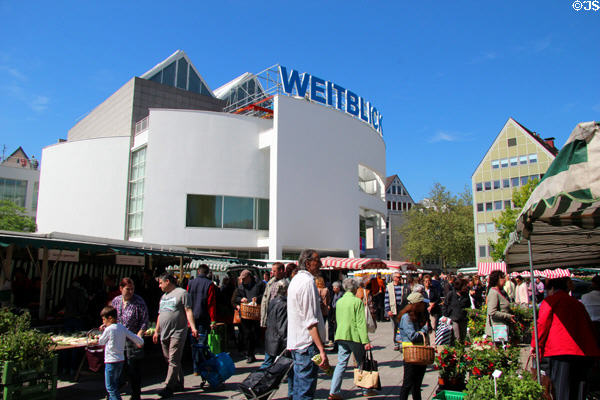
x=314 y=172
x=23 y=174
x=83 y=187
x=200 y=152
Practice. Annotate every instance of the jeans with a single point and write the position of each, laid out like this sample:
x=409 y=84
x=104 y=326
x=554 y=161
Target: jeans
x=345 y=348
x=395 y=323
x=305 y=373
x=197 y=357
x=269 y=360
x=112 y=373
x=413 y=379
x=132 y=369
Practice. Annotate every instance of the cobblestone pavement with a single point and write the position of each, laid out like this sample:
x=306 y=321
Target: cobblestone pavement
x=91 y=385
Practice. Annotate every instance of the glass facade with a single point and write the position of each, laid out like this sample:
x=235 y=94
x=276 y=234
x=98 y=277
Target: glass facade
x=34 y=200
x=14 y=190
x=135 y=211
x=209 y=211
x=187 y=78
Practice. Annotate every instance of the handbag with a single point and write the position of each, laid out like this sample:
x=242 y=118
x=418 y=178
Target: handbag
x=499 y=331
x=443 y=334
x=371 y=324
x=237 y=318
x=214 y=342
x=367 y=377
x=548 y=393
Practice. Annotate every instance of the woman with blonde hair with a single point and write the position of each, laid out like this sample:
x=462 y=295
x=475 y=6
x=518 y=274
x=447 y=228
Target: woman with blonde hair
x=324 y=295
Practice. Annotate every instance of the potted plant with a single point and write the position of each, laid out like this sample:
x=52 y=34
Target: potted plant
x=452 y=366
x=510 y=386
x=476 y=321
x=484 y=357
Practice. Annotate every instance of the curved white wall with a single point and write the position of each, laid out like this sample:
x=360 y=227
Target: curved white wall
x=83 y=187
x=317 y=151
x=197 y=152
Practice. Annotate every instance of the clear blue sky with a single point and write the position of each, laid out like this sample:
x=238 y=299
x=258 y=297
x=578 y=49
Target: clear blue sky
x=446 y=75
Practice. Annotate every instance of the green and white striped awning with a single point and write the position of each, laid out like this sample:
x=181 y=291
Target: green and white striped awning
x=562 y=216
x=217 y=264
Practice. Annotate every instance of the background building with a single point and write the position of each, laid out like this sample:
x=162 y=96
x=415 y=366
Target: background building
x=516 y=156
x=259 y=173
x=19 y=181
x=398 y=201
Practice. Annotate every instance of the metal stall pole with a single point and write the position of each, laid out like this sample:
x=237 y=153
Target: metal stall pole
x=535 y=327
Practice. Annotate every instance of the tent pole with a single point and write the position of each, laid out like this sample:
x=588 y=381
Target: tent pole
x=535 y=326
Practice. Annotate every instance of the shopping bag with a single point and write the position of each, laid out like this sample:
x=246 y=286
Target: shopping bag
x=371 y=323
x=237 y=318
x=214 y=342
x=500 y=333
x=443 y=334
x=367 y=377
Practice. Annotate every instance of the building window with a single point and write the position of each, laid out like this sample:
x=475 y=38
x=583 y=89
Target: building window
x=504 y=162
x=488 y=206
x=135 y=212
x=389 y=205
x=523 y=160
x=497 y=184
x=394 y=205
x=479 y=187
x=480 y=228
x=514 y=182
x=495 y=164
x=489 y=227
x=488 y=185
x=393 y=189
x=207 y=211
x=514 y=161
x=482 y=250
x=498 y=205
x=524 y=180
x=512 y=142
x=13 y=190
x=34 y=200
x=505 y=183
x=262 y=214
x=409 y=205
x=507 y=204
x=532 y=158
x=479 y=207
x=532 y=177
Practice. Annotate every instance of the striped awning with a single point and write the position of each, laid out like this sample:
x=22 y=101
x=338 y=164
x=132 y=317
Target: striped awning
x=485 y=268
x=400 y=265
x=557 y=273
x=352 y=263
x=562 y=216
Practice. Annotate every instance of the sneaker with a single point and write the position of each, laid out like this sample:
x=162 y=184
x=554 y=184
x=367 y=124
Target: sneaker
x=250 y=360
x=165 y=393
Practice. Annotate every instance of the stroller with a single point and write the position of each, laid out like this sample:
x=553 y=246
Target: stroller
x=263 y=384
x=214 y=369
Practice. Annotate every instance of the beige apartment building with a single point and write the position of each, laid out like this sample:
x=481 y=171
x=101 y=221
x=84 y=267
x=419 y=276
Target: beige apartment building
x=516 y=156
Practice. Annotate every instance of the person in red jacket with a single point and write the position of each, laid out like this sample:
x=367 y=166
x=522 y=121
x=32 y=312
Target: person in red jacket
x=566 y=338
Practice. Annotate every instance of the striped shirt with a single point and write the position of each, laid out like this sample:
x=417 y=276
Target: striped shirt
x=398 y=293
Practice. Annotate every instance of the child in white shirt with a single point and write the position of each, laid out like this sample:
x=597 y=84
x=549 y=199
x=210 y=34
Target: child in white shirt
x=113 y=339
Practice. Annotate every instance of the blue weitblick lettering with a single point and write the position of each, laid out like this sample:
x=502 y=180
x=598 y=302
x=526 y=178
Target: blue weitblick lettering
x=288 y=85
x=329 y=93
x=374 y=118
x=339 y=92
x=380 y=125
x=317 y=89
x=364 y=109
x=351 y=103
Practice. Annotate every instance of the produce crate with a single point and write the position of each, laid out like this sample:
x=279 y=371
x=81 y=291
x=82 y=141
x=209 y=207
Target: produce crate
x=449 y=395
x=32 y=384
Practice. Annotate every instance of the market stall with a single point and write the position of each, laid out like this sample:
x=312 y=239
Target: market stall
x=559 y=224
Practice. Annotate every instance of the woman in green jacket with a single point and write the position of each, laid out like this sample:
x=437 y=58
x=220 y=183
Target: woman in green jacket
x=351 y=334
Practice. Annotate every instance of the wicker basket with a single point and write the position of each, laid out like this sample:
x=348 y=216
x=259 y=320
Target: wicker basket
x=420 y=355
x=250 y=311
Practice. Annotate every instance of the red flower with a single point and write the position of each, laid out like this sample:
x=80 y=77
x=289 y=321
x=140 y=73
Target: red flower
x=476 y=371
x=445 y=351
x=444 y=365
x=491 y=365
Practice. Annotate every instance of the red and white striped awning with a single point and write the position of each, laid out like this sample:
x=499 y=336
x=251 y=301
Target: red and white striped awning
x=557 y=273
x=400 y=265
x=484 y=268
x=546 y=273
x=352 y=263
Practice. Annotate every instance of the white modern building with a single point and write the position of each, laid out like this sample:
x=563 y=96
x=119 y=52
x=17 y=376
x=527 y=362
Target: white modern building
x=259 y=165
x=19 y=181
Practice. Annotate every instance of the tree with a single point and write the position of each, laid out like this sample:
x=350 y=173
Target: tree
x=441 y=228
x=13 y=218
x=507 y=221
